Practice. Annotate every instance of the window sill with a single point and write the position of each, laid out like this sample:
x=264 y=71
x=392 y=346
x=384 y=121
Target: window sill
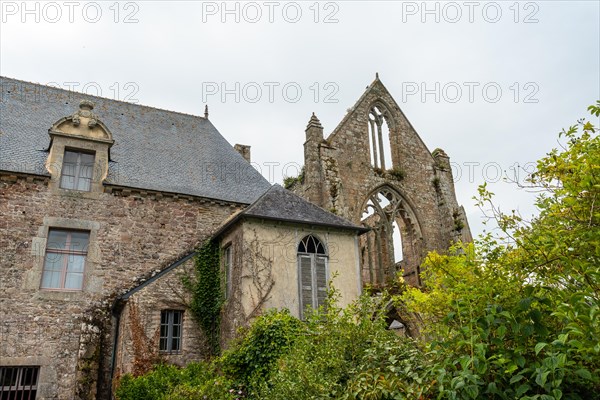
x=61 y=295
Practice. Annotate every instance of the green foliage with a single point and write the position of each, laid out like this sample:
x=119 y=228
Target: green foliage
x=207 y=293
x=397 y=173
x=291 y=181
x=437 y=184
x=254 y=355
x=348 y=354
x=458 y=222
x=152 y=386
x=197 y=381
x=520 y=320
x=336 y=353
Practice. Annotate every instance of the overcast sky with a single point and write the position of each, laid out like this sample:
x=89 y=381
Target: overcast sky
x=491 y=83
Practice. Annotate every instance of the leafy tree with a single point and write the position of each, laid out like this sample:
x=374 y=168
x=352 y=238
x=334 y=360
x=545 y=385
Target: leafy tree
x=521 y=320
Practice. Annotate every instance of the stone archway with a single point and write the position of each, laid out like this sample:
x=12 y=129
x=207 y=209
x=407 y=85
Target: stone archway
x=394 y=242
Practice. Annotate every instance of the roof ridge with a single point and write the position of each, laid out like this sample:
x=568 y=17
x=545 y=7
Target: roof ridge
x=243 y=212
x=340 y=220
x=104 y=98
x=157 y=150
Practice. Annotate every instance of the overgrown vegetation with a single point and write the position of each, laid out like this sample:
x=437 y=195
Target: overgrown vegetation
x=437 y=185
x=396 y=173
x=458 y=222
x=207 y=293
x=517 y=315
x=514 y=316
x=336 y=353
x=290 y=181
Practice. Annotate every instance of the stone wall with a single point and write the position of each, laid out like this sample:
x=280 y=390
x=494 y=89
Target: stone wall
x=143 y=309
x=133 y=235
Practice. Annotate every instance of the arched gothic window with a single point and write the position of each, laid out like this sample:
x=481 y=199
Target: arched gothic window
x=379 y=138
x=382 y=247
x=312 y=272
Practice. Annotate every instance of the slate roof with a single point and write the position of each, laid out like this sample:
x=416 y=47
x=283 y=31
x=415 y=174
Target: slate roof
x=154 y=149
x=280 y=204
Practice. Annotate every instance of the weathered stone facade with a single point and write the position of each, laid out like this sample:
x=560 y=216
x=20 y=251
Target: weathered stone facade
x=348 y=174
x=137 y=235
x=139 y=324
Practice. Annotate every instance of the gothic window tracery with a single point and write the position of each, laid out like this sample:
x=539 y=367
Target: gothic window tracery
x=379 y=137
x=383 y=248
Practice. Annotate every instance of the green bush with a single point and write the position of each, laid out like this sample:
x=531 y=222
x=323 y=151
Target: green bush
x=167 y=382
x=347 y=353
x=252 y=358
x=152 y=386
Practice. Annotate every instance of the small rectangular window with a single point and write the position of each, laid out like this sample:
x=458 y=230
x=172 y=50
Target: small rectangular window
x=171 y=325
x=77 y=171
x=227 y=266
x=64 y=263
x=18 y=382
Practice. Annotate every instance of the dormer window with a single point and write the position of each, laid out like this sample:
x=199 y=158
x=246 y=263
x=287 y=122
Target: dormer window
x=79 y=154
x=77 y=170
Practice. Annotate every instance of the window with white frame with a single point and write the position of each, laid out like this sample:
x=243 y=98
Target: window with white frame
x=312 y=272
x=77 y=170
x=64 y=262
x=171 y=324
x=18 y=382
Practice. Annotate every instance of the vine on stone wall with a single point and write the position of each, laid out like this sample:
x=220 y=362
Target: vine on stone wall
x=145 y=349
x=207 y=293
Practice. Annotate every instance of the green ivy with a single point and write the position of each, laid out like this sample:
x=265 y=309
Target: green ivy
x=207 y=293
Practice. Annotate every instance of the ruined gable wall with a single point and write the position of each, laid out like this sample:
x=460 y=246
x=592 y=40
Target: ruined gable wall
x=342 y=165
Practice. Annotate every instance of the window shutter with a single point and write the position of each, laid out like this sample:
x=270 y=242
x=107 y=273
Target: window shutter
x=321 y=271
x=306 y=286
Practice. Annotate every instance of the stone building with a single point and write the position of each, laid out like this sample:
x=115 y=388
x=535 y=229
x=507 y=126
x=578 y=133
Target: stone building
x=375 y=170
x=103 y=203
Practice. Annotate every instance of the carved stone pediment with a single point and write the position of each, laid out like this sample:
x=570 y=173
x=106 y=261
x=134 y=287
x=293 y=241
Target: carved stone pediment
x=83 y=123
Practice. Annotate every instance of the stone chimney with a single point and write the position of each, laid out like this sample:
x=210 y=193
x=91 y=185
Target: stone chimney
x=244 y=150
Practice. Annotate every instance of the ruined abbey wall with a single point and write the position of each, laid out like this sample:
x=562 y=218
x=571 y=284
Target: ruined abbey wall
x=417 y=186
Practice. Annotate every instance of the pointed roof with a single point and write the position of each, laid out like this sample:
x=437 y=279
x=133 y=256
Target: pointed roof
x=314 y=122
x=279 y=204
x=375 y=86
x=153 y=149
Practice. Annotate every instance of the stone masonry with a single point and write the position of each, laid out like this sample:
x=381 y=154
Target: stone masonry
x=413 y=189
x=137 y=235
